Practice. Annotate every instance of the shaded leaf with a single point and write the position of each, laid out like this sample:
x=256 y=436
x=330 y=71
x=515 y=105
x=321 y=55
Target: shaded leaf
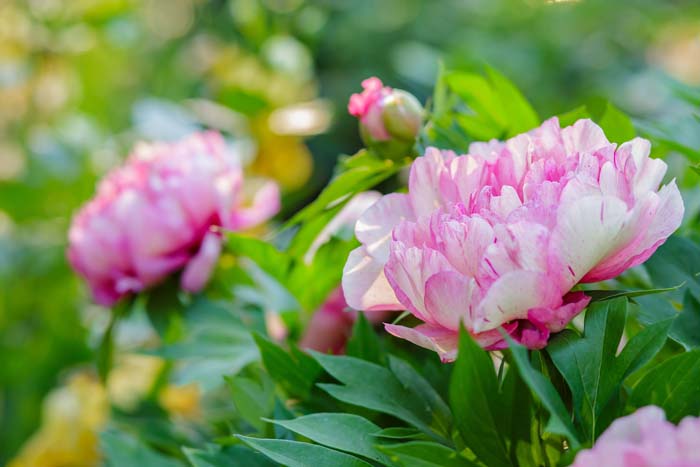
x=374 y=387
x=297 y=454
x=474 y=399
x=673 y=385
x=589 y=365
x=560 y=419
x=425 y=454
x=296 y=371
x=364 y=343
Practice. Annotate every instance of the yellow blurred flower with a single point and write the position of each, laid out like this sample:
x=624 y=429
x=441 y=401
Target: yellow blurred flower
x=181 y=401
x=282 y=157
x=131 y=379
x=74 y=414
x=68 y=436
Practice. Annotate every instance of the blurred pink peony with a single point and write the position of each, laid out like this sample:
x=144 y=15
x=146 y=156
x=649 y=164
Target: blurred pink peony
x=499 y=237
x=645 y=439
x=390 y=119
x=158 y=214
x=331 y=325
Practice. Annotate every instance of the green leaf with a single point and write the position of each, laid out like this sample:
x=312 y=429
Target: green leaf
x=676 y=261
x=589 y=365
x=400 y=432
x=215 y=342
x=616 y=124
x=364 y=343
x=673 y=385
x=560 y=419
x=345 y=432
x=362 y=172
x=120 y=449
x=229 y=456
x=410 y=378
x=499 y=109
x=253 y=400
x=602 y=295
x=296 y=372
x=274 y=262
x=474 y=399
x=425 y=454
x=312 y=284
x=518 y=421
x=296 y=454
x=521 y=116
x=376 y=388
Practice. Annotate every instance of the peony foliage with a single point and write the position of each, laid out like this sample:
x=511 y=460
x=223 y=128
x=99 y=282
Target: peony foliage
x=518 y=294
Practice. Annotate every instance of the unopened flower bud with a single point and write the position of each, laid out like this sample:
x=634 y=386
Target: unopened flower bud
x=390 y=119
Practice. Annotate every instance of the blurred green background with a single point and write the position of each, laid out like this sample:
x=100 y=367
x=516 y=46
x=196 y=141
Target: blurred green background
x=81 y=80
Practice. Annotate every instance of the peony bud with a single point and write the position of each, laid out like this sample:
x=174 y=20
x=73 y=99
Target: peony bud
x=390 y=119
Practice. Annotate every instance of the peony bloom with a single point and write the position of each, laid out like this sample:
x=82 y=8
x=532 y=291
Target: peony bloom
x=390 y=119
x=645 y=439
x=158 y=214
x=331 y=325
x=497 y=239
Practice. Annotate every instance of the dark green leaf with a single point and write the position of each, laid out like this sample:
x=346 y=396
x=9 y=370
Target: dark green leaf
x=673 y=385
x=296 y=372
x=601 y=295
x=425 y=454
x=400 y=432
x=676 y=261
x=560 y=419
x=474 y=399
x=345 y=432
x=253 y=400
x=296 y=454
x=364 y=343
x=376 y=388
x=589 y=365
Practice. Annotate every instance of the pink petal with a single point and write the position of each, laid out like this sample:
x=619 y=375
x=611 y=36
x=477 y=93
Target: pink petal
x=200 y=267
x=365 y=285
x=441 y=340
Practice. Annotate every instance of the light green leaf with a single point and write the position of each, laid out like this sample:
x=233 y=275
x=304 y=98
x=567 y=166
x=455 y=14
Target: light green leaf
x=358 y=173
x=296 y=454
x=521 y=116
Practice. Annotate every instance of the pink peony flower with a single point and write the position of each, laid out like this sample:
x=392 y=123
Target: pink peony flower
x=645 y=439
x=390 y=119
x=331 y=325
x=158 y=214
x=499 y=237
